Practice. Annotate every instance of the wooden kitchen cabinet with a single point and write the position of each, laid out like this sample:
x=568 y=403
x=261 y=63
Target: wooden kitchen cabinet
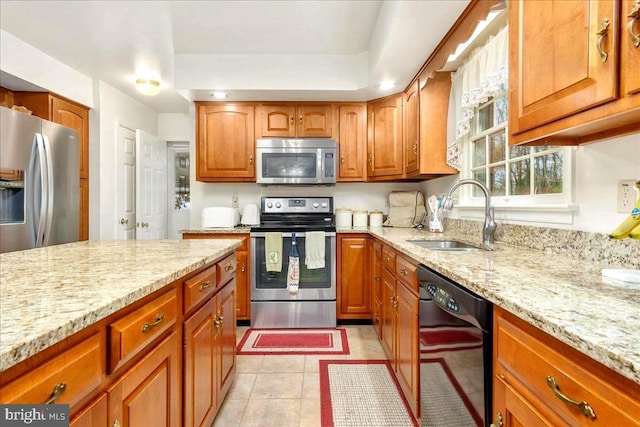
x=72 y=115
x=94 y=415
x=290 y=120
x=570 y=93
x=376 y=286
x=353 y=290
x=243 y=270
x=525 y=360
x=384 y=136
x=225 y=142
x=352 y=142
x=149 y=394
x=411 y=128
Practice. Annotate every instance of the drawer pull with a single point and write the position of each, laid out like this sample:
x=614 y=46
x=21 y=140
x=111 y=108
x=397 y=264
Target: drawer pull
x=603 y=32
x=228 y=268
x=585 y=408
x=243 y=268
x=498 y=419
x=218 y=321
x=58 y=389
x=376 y=278
x=635 y=16
x=117 y=423
x=403 y=272
x=386 y=258
x=147 y=326
x=205 y=285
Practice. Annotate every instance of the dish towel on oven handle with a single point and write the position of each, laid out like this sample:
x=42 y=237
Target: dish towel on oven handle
x=273 y=251
x=314 y=249
x=293 y=272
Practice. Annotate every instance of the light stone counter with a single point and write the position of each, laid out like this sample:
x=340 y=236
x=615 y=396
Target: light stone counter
x=48 y=294
x=565 y=297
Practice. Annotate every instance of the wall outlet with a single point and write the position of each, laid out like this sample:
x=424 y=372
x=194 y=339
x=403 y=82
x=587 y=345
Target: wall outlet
x=234 y=200
x=626 y=196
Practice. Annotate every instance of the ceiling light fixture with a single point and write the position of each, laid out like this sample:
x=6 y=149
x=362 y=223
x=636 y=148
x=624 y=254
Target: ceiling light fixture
x=386 y=84
x=219 y=95
x=148 y=87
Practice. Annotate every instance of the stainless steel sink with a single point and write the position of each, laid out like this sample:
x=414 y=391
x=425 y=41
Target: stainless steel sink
x=444 y=245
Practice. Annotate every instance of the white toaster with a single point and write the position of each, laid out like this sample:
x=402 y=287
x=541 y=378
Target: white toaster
x=220 y=217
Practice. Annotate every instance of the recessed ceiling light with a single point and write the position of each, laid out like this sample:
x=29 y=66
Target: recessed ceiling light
x=148 y=87
x=219 y=95
x=387 y=84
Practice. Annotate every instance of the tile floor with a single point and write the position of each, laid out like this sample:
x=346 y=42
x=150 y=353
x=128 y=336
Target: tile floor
x=284 y=391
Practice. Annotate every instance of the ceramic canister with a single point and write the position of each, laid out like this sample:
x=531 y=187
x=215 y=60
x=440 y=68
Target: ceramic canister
x=360 y=218
x=343 y=217
x=375 y=219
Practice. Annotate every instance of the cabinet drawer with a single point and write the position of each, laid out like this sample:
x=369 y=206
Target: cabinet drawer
x=407 y=272
x=199 y=287
x=525 y=361
x=389 y=258
x=226 y=268
x=132 y=333
x=75 y=373
x=377 y=249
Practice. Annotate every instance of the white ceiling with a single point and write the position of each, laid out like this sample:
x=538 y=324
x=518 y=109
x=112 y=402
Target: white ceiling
x=254 y=50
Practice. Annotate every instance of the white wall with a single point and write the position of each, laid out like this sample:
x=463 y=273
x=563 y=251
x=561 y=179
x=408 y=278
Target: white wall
x=597 y=169
x=174 y=127
x=115 y=108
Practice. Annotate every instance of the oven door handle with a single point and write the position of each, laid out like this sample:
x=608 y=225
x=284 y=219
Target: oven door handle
x=288 y=234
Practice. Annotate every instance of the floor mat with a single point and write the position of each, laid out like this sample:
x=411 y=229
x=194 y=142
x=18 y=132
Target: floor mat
x=435 y=339
x=361 y=393
x=440 y=391
x=293 y=341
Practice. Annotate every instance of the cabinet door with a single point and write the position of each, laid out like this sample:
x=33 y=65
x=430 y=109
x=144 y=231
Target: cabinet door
x=225 y=339
x=388 y=327
x=385 y=137
x=200 y=391
x=242 y=286
x=314 y=120
x=94 y=415
x=408 y=347
x=225 y=146
x=352 y=149
x=376 y=297
x=83 y=196
x=354 y=290
x=149 y=394
x=515 y=410
x=555 y=66
x=276 y=121
x=77 y=118
x=411 y=126
x=629 y=51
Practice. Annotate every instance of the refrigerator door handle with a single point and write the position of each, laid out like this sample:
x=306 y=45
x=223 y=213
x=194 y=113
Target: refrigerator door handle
x=49 y=192
x=39 y=215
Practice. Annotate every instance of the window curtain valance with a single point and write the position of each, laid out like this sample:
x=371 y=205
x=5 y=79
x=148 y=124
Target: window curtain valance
x=482 y=76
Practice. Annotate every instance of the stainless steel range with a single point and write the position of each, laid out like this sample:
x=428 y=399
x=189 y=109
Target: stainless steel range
x=314 y=303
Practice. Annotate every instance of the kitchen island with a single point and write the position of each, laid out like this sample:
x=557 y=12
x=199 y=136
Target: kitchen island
x=90 y=323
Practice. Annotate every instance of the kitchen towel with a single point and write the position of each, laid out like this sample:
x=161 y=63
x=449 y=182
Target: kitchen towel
x=314 y=249
x=273 y=251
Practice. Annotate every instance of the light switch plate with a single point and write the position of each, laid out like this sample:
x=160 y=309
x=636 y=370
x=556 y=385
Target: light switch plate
x=626 y=196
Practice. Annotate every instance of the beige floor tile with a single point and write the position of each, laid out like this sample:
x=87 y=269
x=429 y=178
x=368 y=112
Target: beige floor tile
x=242 y=386
x=310 y=413
x=311 y=385
x=249 y=364
x=278 y=386
x=230 y=413
x=287 y=363
x=271 y=412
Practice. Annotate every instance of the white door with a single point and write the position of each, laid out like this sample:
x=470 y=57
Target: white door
x=126 y=184
x=151 y=186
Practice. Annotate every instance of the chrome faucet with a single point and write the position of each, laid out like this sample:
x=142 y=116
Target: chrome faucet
x=489 y=224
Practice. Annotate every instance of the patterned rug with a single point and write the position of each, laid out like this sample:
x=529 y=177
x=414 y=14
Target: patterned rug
x=439 y=390
x=435 y=339
x=294 y=341
x=361 y=393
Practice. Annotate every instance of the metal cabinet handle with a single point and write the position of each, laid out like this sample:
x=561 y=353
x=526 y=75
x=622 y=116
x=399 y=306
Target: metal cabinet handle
x=376 y=278
x=218 y=321
x=124 y=221
x=403 y=272
x=116 y=423
x=300 y=120
x=584 y=407
x=243 y=268
x=415 y=148
x=603 y=32
x=205 y=285
x=58 y=389
x=228 y=268
x=292 y=120
x=635 y=16
x=147 y=326
x=251 y=160
x=386 y=258
x=498 y=419
x=369 y=158
x=342 y=160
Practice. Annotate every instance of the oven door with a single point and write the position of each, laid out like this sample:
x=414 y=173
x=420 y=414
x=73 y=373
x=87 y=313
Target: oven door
x=315 y=284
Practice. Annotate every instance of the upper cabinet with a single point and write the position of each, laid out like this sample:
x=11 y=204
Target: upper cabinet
x=294 y=120
x=225 y=142
x=385 y=148
x=352 y=142
x=573 y=92
x=411 y=128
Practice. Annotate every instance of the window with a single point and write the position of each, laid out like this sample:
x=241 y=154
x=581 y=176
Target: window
x=511 y=172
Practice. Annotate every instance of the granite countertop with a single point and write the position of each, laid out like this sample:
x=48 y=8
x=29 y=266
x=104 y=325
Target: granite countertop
x=565 y=297
x=48 y=294
x=238 y=229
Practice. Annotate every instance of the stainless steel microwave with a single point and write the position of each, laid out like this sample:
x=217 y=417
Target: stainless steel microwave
x=296 y=161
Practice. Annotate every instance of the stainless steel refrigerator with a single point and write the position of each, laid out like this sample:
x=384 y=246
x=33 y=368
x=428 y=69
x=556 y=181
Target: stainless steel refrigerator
x=38 y=182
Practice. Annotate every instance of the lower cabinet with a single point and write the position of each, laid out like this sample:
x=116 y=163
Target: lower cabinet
x=353 y=290
x=94 y=415
x=376 y=286
x=541 y=381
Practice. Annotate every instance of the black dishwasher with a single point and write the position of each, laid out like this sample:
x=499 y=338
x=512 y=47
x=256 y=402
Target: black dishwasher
x=455 y=353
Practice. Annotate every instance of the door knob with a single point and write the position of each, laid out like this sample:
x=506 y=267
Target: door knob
x=124 y=221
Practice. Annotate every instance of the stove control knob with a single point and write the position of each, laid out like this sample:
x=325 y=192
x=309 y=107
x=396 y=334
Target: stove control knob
x=315 y=205
x=324 y=204
x=269 y=204
x=278 y=205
